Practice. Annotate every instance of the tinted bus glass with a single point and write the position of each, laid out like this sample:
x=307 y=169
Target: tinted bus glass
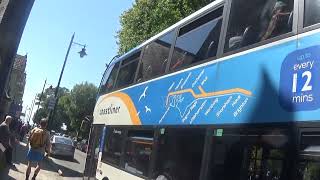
x=138 y=151
x=155 y=57
x=311 y=12
x=237 y=156
x=180 y=153
x=113 y=146
x=127 y=71
x=109 y=80
x=252 y=21
x=309 y=163
x=198 y=40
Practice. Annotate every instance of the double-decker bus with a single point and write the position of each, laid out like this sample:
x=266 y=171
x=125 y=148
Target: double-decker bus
x=231 y=92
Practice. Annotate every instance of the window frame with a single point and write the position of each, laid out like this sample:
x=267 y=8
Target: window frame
x=247 y=129
x=123 y=65
x=301 y=28
x=304 y=127
x=107 y=136
x=293 y=32
x=120 y=66
x=218 y=55
x=175 y=31
x=124 y=145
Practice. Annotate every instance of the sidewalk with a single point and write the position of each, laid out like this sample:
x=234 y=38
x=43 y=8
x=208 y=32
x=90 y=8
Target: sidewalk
x=19 y=160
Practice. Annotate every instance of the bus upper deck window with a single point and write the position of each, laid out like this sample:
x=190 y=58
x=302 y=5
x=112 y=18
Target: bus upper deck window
x=127 y=71
x=311 y=12
x=197 y=40
x=109 y=79
x=155 y=57
x=252 y=21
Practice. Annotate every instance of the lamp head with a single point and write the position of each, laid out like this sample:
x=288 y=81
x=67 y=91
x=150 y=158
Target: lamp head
x=83 y=52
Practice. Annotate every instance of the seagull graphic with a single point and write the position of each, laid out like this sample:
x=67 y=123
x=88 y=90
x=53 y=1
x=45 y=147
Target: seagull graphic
x=147 y=109
x=143 y=95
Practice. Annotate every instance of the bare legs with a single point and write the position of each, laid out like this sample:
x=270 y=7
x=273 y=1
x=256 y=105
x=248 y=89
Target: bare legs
x=28 y=170
x=37 y=170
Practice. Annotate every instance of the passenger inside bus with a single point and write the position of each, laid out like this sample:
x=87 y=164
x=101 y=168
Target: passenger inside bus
x=267 y=19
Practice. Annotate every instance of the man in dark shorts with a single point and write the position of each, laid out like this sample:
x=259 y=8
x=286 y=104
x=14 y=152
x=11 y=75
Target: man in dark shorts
x=6 y=139
x=39 y=143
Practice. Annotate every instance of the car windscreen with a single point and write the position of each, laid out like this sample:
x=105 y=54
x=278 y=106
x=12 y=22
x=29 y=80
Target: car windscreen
x=62 y=140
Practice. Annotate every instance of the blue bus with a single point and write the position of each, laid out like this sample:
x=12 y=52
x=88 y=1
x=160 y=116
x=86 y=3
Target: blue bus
x=231 y=92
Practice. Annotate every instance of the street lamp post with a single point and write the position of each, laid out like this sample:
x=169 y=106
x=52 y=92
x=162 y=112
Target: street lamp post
x=82 y=54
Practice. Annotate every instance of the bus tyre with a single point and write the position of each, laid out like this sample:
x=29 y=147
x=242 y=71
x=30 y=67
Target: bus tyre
x=105 y=178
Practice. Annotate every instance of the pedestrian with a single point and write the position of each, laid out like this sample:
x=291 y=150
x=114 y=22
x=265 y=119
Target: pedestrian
x=6 y=139
x=39 y=143
x=23 y=131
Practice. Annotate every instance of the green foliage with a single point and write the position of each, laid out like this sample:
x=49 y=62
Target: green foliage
x=72 y=106
x=148 y=17
x=44 y=100
x=81 y=103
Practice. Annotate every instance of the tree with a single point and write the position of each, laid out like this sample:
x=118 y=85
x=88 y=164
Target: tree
x=72 y=107
x=149 y=17
x=81 y=103
x=43 y=111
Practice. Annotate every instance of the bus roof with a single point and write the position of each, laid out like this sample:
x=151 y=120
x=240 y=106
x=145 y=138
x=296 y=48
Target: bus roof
x=179 y=23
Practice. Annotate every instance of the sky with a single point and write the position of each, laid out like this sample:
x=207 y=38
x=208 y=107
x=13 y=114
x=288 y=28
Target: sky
x=48 y=33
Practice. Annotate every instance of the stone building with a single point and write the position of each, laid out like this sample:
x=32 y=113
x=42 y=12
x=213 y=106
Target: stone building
x=17 y=83
x=13 y=18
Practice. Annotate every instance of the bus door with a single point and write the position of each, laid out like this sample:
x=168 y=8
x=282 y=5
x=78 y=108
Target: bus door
x=309 y=154
x=92 y=154
x=249 y=155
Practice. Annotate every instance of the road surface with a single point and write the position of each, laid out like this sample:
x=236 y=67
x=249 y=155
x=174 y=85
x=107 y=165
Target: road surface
x=71 y=168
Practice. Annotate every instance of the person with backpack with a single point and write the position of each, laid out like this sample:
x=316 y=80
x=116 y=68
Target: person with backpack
x=39 y=143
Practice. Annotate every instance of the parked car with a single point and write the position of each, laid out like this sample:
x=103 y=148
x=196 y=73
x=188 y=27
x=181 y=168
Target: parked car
x=62 y=146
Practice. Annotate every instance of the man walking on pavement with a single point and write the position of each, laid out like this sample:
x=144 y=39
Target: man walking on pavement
x=6 y=139
x=39 y=142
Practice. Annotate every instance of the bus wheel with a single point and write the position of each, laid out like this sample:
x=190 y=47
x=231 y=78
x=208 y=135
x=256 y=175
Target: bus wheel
x=105 y=178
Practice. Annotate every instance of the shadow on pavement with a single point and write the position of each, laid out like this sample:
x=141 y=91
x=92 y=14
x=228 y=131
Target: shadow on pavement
x=4 y=174
x=66 y=172
x=19 y=157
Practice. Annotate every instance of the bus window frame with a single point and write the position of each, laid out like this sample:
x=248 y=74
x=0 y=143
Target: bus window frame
x=175 y=31
x=125 y=129
x=120 y=66
x=222 y=4
x=304 y=127
x=124 y=143
x=292 y=33
x=301 y=28
x=132 y=60
x=290 y=129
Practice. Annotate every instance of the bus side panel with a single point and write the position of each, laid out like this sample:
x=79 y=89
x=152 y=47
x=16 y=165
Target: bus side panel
x=242 y=89
x=272 y=83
